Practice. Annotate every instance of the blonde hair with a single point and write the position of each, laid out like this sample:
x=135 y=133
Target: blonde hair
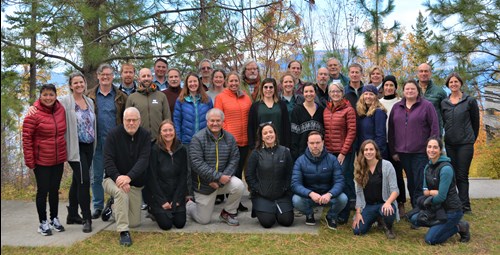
x=364 y=111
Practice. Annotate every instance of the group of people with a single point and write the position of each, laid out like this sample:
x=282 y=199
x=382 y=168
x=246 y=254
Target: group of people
x=179 y=150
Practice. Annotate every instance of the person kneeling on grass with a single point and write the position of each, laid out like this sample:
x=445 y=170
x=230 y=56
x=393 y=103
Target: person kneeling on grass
x=317 y=180
x=376 y=190
x=214 y=159
x=441 y=189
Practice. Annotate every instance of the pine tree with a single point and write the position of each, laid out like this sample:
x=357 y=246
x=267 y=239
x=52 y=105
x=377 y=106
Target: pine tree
x=375 y=33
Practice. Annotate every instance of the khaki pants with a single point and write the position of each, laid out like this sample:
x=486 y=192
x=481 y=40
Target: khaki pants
x=127 y=206
x=201 y=211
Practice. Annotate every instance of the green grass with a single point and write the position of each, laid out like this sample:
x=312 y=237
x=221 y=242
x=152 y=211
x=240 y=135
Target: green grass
x=484 y=228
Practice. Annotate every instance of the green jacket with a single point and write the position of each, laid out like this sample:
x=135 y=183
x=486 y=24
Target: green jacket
x=435 y=95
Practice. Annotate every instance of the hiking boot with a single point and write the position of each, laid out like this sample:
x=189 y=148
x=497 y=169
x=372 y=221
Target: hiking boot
x=219 y=199
x=44 y=228
x=341 y=221
x=228 y=218
x=464 y=231
x=389 y=233
x=56 y=225
x=331 y=223
x=108 y=211
x=87 y=226
x=310 y=220
x=125 y=238
x=97 y=213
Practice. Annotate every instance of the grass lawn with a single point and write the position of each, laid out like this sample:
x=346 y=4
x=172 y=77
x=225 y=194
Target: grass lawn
x=485 y=225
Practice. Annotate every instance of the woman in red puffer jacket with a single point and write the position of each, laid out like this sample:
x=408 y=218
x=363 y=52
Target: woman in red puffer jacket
x=44 y=149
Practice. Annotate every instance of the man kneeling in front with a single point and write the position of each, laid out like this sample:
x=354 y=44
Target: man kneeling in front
x=214 y=159
x=317 y=180
x=126 y=158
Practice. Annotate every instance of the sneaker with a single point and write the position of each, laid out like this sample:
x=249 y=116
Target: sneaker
x=464 y=231
x=125 y=238
x=44 y=229
x=108 y=211
x=96 y=214
x=331 y=223
x=56 y=225
x=144 y=206
x=230 y=219
x=310 y=220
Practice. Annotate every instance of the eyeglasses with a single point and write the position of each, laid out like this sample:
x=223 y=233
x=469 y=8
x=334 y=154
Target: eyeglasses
x=268 y=87
x=106 y=74
x=251 y=69
x=131 y=120
x=335 y=91
x=206 y=68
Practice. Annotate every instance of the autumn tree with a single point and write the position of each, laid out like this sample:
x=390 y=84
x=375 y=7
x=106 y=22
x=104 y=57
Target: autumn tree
x=374 y=33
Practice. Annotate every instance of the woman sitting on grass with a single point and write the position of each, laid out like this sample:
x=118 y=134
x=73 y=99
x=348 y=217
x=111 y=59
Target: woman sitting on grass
x=376 y=190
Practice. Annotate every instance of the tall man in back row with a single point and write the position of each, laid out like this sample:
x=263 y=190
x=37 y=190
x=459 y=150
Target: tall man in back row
x=430 y=91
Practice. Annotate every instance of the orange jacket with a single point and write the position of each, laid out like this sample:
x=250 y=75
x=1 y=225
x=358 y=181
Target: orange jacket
x=235 y=110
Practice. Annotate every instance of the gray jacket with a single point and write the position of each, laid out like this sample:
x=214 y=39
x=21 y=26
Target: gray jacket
x=71 y=136
x=389 y=185
x=211 y=158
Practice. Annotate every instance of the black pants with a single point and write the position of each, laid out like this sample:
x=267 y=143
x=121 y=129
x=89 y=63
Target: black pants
x=164 y=222
x=79 y=192
x=241 y=164
x=48 y=181
x=461 y=158
x=267 y=220
x=399 y=178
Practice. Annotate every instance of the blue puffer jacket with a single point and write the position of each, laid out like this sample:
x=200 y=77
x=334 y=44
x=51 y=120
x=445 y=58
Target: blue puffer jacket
x=189 y=117
x=319 y=174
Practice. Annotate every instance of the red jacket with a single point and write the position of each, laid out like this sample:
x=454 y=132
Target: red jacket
x=340 y=127
x=43 y=136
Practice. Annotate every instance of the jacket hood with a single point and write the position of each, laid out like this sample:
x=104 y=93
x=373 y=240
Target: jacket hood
x=143 y=90
x=441 y=158
x=314 y=159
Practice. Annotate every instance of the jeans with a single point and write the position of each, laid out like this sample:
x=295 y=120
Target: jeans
x=440 y=233
x=414 y=164
x=48 y=181
x=370 y=214
x=461 y=158
x=306 y=205
x=97 y=177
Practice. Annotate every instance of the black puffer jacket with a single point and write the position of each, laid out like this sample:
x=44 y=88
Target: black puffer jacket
x=269 y=172
x=461 y=120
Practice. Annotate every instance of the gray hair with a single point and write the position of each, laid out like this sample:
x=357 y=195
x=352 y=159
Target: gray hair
x=244 y=67
x=337 y=85
x=104 y=66
x=131 y=110
x=215 y=111
x=203 y=61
